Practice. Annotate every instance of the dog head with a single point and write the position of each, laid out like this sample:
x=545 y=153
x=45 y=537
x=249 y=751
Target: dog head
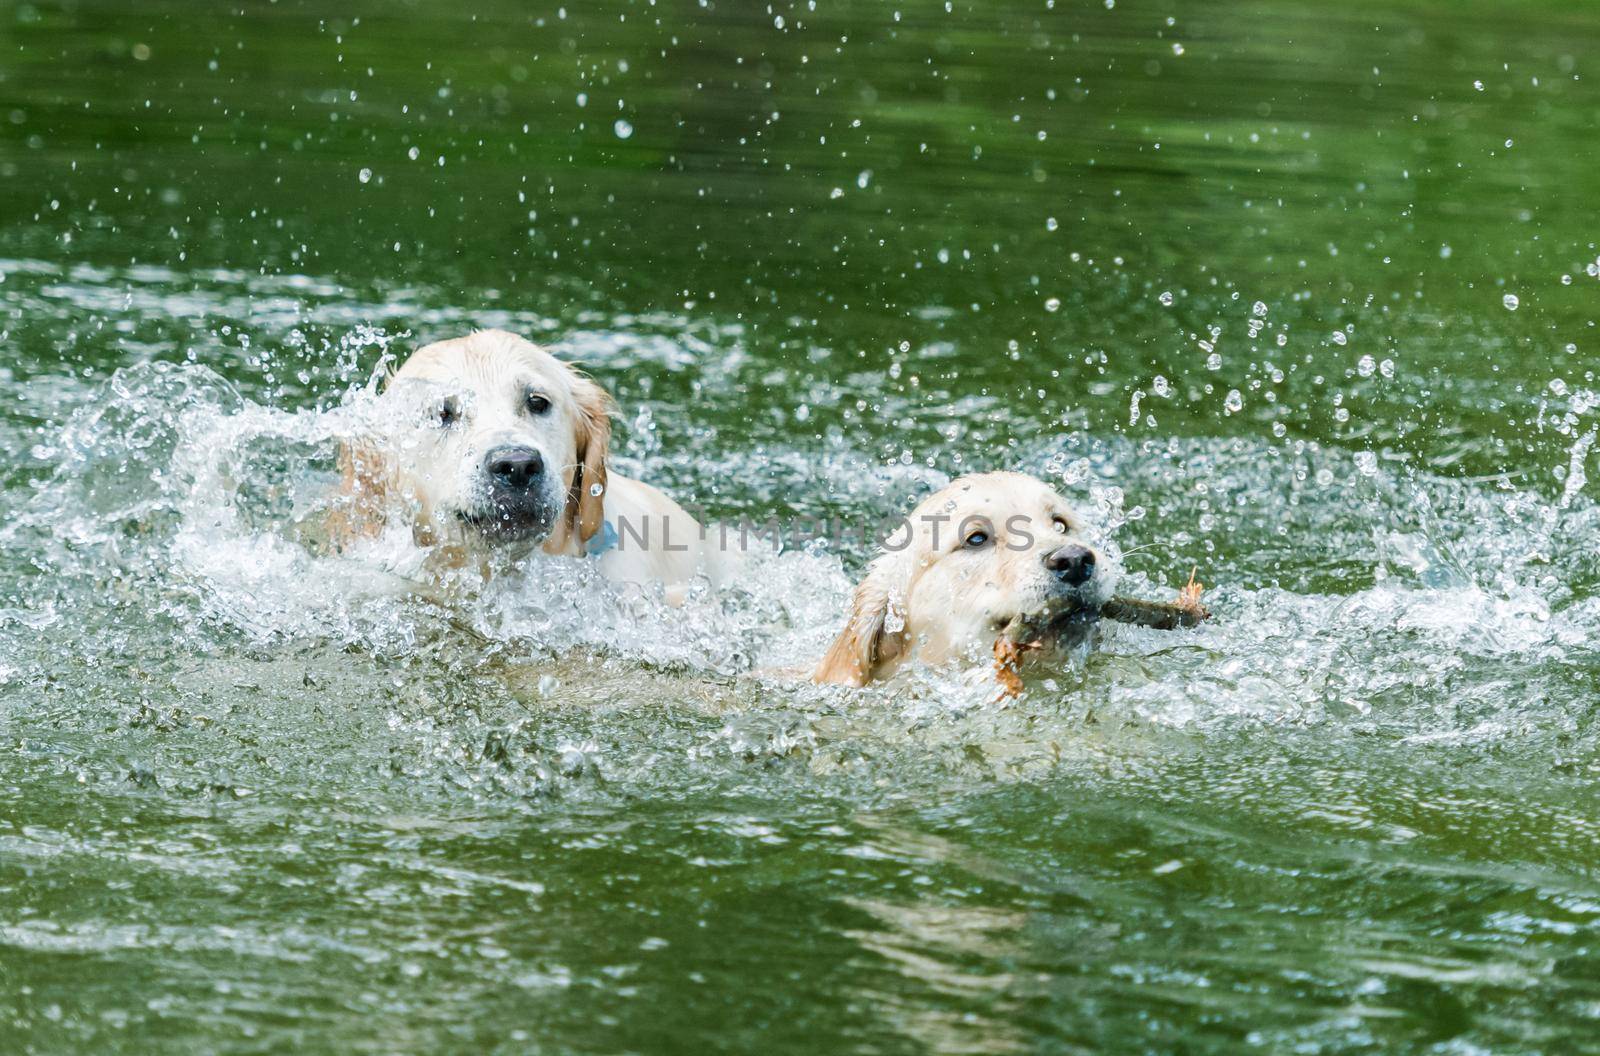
x=982 y=550
x=487 y=438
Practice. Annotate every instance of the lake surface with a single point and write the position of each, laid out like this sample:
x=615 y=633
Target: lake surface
x=1303 y=296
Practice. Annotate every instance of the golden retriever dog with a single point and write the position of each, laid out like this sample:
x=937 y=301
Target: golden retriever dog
x=490 y=441
x=980 y=551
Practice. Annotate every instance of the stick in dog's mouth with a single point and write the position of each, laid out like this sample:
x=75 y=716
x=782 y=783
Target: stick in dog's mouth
x=1067 y=619
x=1061 y=618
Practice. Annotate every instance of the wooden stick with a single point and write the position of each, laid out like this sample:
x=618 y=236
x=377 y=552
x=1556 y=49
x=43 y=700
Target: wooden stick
x=1187 y=611
x=1028 y=632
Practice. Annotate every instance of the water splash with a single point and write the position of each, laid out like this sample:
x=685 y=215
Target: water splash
x=204 y=502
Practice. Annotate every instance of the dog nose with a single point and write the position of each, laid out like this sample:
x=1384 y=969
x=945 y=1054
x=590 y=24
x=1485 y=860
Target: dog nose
x=1072 y=564
x=513 y=467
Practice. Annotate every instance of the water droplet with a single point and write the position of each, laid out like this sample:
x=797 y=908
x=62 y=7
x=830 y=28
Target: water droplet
x=1259 y=309
x=1166 y=297
x=1367 y=463
x=1234 y=402
x=622 y=128
x=597 y=489
x=1566 y=280
x=1050 y=223
x=1177 y=49
x=1366 y=366
x=1478 y=85
x=365 y=175
x=1510 y=301
x=1052 y=304
x=1338 y=337
x=864 y=178
x=1214 y=361
x=413 y=153
x=1160 y=386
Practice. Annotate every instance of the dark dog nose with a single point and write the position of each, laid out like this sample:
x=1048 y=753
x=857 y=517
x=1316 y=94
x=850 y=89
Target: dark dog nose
x=513 y=468
x=1072 y=564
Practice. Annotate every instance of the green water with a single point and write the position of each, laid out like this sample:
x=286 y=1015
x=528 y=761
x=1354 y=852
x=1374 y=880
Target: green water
x=1238 y=276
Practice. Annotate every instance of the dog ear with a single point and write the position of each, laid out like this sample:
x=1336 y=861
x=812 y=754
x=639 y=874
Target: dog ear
x=586 y=501
x=874 y=633
x=365 y=476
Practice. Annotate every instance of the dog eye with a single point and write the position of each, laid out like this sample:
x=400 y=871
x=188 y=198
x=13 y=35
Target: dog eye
x=976 y=540
x=537 y=404
x=1061 y=525
x=449 y=412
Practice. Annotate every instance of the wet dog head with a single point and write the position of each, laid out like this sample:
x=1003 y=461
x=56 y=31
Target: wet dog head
x=982 y=550
x=489 y=438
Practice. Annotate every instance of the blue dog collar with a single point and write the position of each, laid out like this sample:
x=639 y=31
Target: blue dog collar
x=605 y=539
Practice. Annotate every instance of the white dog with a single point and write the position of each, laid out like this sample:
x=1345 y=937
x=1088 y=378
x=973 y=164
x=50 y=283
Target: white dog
x=488 y=440
x=980 y=551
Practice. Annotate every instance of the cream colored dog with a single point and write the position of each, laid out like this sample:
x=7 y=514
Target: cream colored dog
x=488 y=440
x=980 y=551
